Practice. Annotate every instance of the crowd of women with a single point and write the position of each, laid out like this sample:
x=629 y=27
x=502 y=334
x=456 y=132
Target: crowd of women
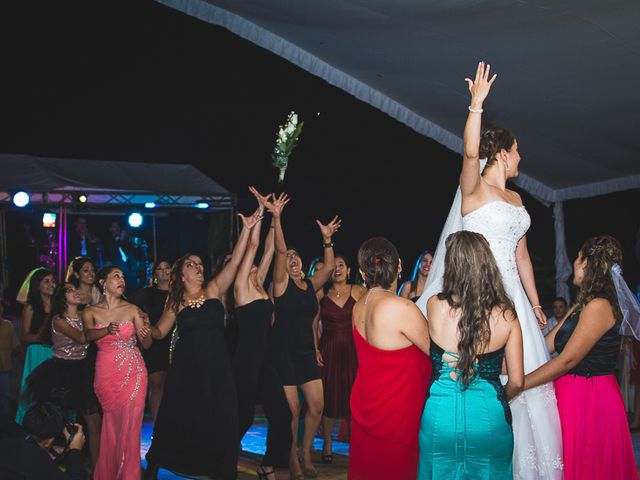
x=447 y=377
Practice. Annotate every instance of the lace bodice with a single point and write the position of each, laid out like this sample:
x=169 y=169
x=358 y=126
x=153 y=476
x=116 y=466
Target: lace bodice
x=503 y=225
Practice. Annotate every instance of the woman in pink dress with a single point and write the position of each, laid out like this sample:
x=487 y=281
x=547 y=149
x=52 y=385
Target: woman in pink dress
x=595 y=433
x=121 y=377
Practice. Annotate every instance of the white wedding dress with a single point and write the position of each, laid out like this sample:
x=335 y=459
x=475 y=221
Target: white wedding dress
x=537 y=452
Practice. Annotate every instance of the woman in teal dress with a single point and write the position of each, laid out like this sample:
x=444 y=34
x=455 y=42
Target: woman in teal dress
x=465 y=432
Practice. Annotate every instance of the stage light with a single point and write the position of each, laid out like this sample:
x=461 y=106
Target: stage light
x=202 y=205
x=21 y=199
x=49 y=220
x=135 y=220
x=150 y=205
x=82 y=198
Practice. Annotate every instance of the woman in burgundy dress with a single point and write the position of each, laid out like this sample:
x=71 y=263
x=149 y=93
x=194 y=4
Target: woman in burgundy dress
x=337 y=352
x=388 y=395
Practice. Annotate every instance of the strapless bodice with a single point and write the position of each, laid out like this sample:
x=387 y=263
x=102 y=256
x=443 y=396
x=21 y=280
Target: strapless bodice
x=503 y=225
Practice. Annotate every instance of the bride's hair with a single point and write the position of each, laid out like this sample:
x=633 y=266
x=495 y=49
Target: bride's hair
x=492 y=140
x=473 y=284
x=601 y=253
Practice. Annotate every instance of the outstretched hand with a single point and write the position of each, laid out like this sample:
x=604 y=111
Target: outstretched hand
x=262 y=199
x=481 y=85
x=330 y=228
x=250 y=222
x=276 y=206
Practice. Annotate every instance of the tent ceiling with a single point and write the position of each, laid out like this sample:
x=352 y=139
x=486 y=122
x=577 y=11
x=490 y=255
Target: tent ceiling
x=109 y=182
x=567 y=85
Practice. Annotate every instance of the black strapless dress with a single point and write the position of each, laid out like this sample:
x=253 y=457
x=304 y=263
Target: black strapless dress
x=196 y=431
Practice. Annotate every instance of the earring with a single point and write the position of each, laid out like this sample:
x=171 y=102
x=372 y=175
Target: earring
x=155 y=280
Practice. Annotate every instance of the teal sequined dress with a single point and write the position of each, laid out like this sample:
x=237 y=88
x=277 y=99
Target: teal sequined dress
x=466 y=433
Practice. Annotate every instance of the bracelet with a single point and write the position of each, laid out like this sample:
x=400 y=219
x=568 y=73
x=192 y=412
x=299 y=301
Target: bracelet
x=537 y=306
x=328 y=245
x=475 y=110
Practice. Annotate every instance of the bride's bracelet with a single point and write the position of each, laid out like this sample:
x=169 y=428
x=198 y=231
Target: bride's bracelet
x=475 y=110
x=537 y=306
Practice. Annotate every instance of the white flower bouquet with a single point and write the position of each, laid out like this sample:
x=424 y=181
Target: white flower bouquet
x=286 y=141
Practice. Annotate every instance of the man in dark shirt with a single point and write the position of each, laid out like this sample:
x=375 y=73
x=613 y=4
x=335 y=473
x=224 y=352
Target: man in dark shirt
x=24 y=451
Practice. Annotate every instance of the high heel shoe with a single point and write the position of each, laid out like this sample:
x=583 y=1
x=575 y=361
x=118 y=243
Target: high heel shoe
x=264 y=474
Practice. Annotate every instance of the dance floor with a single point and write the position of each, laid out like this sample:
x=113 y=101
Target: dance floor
x=253 y=447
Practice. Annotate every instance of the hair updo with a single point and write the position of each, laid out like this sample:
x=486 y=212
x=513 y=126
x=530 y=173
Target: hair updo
x=601 y=253
x=378 y=260
x=494 y=139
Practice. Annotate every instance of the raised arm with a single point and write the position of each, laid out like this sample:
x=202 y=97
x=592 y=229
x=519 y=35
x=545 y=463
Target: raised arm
x=280 y=276
x=513 y=354
x=241 y=285
x=479 y=88
x=67 y=330
x=525 y=270
x=221 y=283
x=267 y=254
x=269 y=243
x=321 y=277
x=596 y=319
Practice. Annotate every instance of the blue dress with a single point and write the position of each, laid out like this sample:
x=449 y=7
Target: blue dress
x=465 y=433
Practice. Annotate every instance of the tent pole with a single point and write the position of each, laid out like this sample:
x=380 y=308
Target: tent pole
x=562 y=263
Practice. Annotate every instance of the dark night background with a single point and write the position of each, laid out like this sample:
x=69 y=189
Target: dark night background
x=137 y=81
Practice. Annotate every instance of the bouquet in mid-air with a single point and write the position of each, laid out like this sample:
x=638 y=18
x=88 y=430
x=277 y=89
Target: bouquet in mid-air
x=286 y=141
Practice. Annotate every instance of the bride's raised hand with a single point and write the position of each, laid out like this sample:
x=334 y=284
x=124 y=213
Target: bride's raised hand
x=481 y=85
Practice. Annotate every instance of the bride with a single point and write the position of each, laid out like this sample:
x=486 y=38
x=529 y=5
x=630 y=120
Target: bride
x=484 y=205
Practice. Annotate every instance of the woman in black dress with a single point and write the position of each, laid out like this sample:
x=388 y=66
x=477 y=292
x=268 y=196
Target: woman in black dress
x=256 y=379
x=151 y=300
x=294 y=348
x=196 y=432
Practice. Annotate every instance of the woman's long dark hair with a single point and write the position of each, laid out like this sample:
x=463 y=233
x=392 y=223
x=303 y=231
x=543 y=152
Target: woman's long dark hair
x=59 y=301
x=176 y=285
x=601 y=253
x=41 y=322
x=416 y=271
x=154 y=267
x=473 y=284
x=74 y=267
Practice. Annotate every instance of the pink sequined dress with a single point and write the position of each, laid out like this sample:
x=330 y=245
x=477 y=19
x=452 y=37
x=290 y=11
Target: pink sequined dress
x=121 y=386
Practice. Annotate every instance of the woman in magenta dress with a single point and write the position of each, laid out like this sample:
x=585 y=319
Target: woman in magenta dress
x=388 y=395
x=337 y=351
x=120 y=378
x=595 y=433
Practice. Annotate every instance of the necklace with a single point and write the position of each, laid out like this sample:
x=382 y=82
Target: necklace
x=194 y=302
x=376 y=288
x=338 y=294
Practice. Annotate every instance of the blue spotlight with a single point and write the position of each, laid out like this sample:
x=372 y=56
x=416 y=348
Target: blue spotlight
x=135 y=220
x=202 y=205
x=21 y=199
x=150 y=205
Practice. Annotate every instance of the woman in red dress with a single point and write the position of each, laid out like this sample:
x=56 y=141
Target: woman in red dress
x=387 y=398
x=337 y=352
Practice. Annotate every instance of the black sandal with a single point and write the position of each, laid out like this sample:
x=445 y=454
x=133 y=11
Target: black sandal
x=263 y=474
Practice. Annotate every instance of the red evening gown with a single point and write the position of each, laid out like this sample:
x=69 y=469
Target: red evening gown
x=387 y=400
x=339 y=356
x=121 y=387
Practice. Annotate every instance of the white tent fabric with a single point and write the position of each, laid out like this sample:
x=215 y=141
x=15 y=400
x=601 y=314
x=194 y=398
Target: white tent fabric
x=568 y=72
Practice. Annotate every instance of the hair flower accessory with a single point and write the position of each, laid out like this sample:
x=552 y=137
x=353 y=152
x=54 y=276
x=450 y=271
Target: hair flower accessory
x=376 y=261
